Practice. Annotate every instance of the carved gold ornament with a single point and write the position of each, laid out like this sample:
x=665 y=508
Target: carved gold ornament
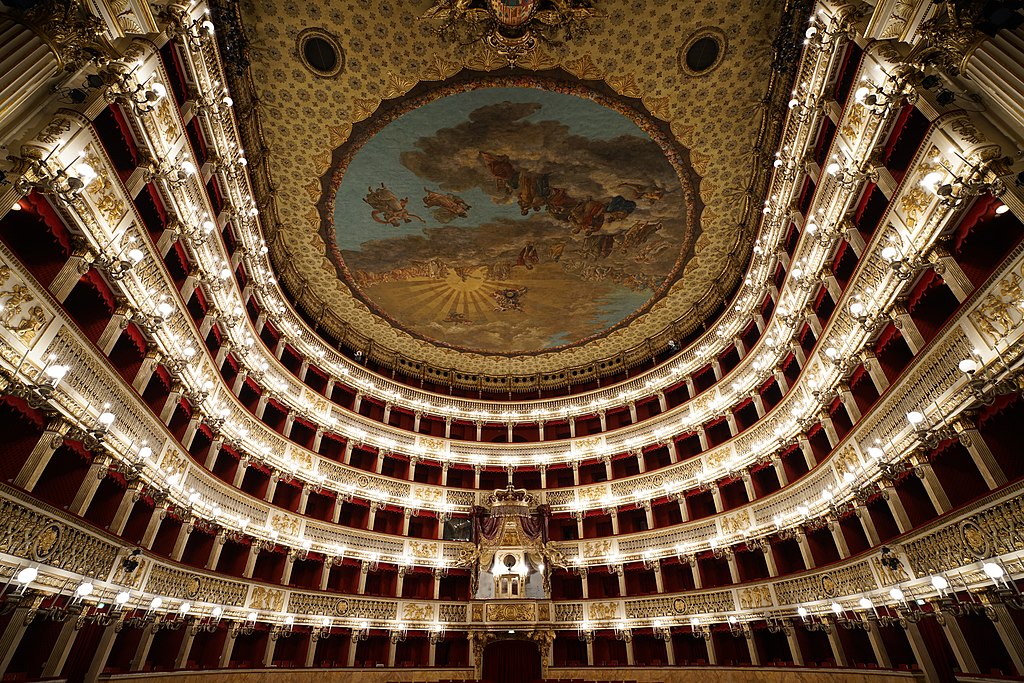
x=46 y=541
x=511 y=612
x=512 y=30
x=974 y=539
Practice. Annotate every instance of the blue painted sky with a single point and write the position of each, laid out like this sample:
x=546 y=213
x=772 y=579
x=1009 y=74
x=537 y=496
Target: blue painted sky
x=379 y=159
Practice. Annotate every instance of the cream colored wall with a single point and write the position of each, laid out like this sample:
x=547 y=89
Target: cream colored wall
x=641 y=675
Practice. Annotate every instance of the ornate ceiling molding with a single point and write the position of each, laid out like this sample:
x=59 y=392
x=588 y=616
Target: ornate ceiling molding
x=733 y=159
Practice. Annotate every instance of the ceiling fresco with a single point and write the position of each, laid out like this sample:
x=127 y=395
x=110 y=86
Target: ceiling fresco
x=606 y=294
x=510 y=215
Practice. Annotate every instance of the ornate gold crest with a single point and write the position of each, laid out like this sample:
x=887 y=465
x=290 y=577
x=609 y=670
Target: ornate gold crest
x=974 y=539
x=512 y=28
x=828 y=586
x=46 y=541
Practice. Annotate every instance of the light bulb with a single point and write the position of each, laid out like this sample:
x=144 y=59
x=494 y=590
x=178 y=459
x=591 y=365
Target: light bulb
x=915 y=417
x=802 y=612
x=185 y=607
x=875 y=452
x=968 y=366
x=84 y=589
x=837 y=608
x=896 y=594
x=856 y=309
x=217 y=611
x=939 y=583
x=865 y=603
x=106 y=418
x=27 y=575
x=992 y=570
x=155 y=603
x=890 y=253
x=932 y=179
x=56 y=372
x=122 y=598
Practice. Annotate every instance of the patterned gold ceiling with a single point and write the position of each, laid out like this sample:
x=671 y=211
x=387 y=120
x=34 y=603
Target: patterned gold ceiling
x=635 y=49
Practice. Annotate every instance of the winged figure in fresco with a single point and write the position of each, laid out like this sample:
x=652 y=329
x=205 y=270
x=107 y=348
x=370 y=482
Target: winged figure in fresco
x=638 y=234
x=387 y=208
x=636 y=192
x=449 y=206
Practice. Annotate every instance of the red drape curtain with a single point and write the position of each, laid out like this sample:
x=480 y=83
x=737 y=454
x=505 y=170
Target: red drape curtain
x=512 y=661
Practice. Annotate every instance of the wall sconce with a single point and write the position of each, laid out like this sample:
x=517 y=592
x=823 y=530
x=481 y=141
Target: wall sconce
x=982 y=178
x=894 y=91
x=283 y=630
x=623 y=631
x=650 y=561
x=38 y=391
x=360 y=631
x=398 y=632
x=812 y=622
x=126 y=90
x=63 y=182
x=662 y=630
x=440 y=568
x=614 y=562
x=850 y=177
x=985 y=387
x=698 y=629
x=585 y=632
x=904 y=268
x=322 y=629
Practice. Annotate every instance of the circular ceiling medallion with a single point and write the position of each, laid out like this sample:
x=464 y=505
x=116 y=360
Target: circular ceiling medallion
x=702 y=52
x=320 y=52
x=510 y=216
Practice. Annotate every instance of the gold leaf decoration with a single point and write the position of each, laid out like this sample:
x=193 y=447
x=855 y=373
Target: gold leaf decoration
x=441 y=68
x=363 y=108
x=339 y=134
x=626 y=85
x=659 y=107
x=396 y=86
x=584 y=68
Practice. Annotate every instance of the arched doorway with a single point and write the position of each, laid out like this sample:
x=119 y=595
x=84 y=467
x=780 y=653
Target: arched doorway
x=512 y=661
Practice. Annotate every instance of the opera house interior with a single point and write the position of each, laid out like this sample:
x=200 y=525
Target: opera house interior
x=747 y=412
